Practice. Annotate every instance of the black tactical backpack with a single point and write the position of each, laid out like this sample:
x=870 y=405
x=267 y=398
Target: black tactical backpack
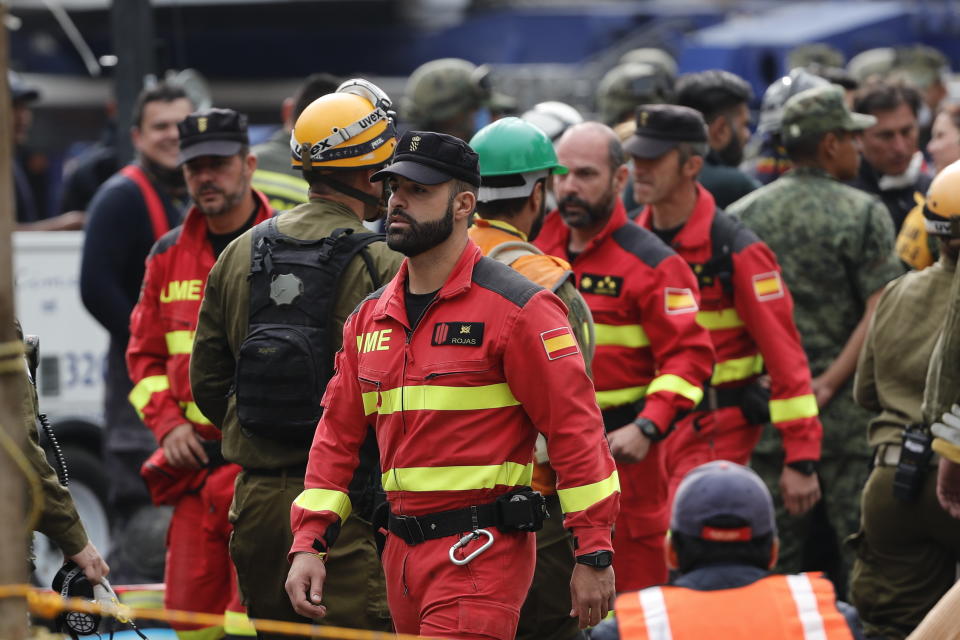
x=286 y=359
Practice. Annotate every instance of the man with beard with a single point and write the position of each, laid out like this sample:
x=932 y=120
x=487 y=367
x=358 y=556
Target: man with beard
x=459 y=362
x=516 y=162
x=745 y=306
x=652 y=357
x=266 y=336
x=723 y=98
x=127 y=215
x=218 y=167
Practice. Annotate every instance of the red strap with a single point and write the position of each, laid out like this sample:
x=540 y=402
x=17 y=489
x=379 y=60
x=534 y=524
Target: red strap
x=158 y=213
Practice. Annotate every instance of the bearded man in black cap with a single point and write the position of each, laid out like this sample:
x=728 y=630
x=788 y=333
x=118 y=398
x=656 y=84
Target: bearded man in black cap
x=459 y=363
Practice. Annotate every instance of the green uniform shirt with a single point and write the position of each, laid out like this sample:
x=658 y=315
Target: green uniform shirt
x=224 y=319
x=892 y=370
x=943 y=376
x=834 y=244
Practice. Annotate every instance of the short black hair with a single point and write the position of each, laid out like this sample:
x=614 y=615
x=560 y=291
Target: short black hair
x=314 y=86
x=160 y=92
x=693 y=553
x=879 y=96
x=713 y=92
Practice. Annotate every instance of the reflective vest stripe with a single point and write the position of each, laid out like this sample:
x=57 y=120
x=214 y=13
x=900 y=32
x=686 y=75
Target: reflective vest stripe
x=280 y=185
x=179 y=342
x=576 y=499
x=236 y=623
x=794 y=408
x=676 y=384
x=626 y=335
x=655 y=614
x=737 y=369
x=721 y=319
x=437 y=398
x=508 y=474
x=142 y=392
x=325 y=500
x=192 y=413
x=807 y=608
x=617 y=397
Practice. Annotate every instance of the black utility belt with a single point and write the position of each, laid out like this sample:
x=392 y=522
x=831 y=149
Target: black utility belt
x=520 y=510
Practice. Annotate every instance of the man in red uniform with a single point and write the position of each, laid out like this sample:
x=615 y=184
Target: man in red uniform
x=651 y=356
x=745 y=305
x=217 y=165
x=459 y=362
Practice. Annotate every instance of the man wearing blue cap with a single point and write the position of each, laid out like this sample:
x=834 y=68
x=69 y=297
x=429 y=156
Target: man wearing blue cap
x=723 y=541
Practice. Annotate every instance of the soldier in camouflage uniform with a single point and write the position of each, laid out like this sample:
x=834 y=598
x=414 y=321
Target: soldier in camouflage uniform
x=835 y=247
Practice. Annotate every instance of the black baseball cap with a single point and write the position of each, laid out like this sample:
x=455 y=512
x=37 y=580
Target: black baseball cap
x=212 y=132
x=432 y=158
x=661 y=127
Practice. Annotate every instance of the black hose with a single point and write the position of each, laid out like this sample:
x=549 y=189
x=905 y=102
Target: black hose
x=61 y=469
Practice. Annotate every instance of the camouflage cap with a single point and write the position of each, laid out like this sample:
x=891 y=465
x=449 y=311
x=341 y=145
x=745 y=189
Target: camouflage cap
x=442 y=88
x=818 y=53
x=660 y=59
x=923 y=66
x=820 y=110
x=872 y=62
x=629 y=85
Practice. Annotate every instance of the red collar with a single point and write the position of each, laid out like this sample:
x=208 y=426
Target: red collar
x=554 y=239
x=194 y=231
x=693 y=240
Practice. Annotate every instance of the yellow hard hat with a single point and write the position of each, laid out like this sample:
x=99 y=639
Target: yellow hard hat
x=349 y=129
x=942 y=207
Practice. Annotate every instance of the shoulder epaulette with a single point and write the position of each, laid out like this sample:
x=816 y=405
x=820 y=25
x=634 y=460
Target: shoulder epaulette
x=499 y=278
x=166 y=241
x=643 y=244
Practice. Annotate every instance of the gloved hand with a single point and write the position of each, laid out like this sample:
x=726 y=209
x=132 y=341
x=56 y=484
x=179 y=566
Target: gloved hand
x=947 y=435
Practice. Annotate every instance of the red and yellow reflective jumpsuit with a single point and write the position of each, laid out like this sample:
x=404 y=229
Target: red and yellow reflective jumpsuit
x=650 y=351
x=456 y=404
x=199 y=572
x=751 y=324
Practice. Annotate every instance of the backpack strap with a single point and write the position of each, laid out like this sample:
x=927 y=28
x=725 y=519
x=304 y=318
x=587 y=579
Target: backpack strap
x=155 y=208
x=358 y=243
x=508 y=252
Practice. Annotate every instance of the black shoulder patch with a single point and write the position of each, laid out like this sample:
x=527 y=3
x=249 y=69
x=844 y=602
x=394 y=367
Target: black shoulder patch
x=166 y=241
x=499 y=278
x=642 y=243
x=374 y=295
x=732 y=230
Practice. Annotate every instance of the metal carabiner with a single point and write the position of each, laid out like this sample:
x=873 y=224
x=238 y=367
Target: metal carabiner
x=466 y=539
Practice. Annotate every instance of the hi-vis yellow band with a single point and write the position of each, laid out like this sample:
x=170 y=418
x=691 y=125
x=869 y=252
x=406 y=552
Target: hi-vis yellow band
x=767 y=286
x=626 y=335
x=676 y=384
x=793 y=408
x=141 y=393
x=618 y=397
x=720 y=319
x=280 y=185
x=437 y=398
x=192 y=413
x=179 y=342
x=579 y=498
x=737 y=369
x=465 y=478
x=325 y=500
x=679 y=300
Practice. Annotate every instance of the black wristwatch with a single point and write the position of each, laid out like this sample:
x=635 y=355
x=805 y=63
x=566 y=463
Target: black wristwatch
x=597 y=559
x=806 y=467
x=649 y=429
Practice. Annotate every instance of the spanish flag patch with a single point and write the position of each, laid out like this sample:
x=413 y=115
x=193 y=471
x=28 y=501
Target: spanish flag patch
x=559 y=342
x=767 y=286
x=679 y=300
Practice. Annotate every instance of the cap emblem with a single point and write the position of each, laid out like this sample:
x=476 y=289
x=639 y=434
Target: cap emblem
x=414 y=143
x=201 y=124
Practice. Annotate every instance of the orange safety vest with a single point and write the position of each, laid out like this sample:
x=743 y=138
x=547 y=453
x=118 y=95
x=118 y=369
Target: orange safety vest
x=787 y=607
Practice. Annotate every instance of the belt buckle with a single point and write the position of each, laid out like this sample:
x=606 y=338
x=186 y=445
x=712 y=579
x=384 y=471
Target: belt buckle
x=411 y=527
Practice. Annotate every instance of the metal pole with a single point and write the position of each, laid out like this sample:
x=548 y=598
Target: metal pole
x=133 y=44
x=13 y=543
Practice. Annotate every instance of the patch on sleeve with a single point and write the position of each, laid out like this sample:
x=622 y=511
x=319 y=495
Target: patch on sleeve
x=767 y=286
x=679 y=300
x=559 y=342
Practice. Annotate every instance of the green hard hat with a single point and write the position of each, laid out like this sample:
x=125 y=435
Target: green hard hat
x=513 y=147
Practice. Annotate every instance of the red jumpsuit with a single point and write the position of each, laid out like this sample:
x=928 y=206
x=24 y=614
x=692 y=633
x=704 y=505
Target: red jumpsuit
x=456 y=404
x=751 y=324
x=199 y=572
x=650 y=351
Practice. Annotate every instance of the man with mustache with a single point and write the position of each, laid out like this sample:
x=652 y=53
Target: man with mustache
x=651 y=357
x=217 y=167
x=457 y=363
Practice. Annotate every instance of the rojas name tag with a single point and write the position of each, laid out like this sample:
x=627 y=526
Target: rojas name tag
x=464 y=334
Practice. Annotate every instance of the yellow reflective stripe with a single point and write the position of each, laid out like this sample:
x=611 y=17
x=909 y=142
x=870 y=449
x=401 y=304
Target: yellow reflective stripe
x=626 y=335
x=617 y=397
x=579 y=498
x=236 y=623
x=192 y=413
x=508 y=474
x=717 y=320
x=676 y=384
x=207 y=633
x=737 y=369
x=142 y=392
x=325 y=500
x=179 y=342
x=430 y=397
x=794 y=408
x=278 y=184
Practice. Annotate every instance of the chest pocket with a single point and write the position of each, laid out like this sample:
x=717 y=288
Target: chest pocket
x=371 y=382
x=467 y=385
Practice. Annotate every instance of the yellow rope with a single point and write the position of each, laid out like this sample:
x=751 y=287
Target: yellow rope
x=50 y=605
x=33 y=481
